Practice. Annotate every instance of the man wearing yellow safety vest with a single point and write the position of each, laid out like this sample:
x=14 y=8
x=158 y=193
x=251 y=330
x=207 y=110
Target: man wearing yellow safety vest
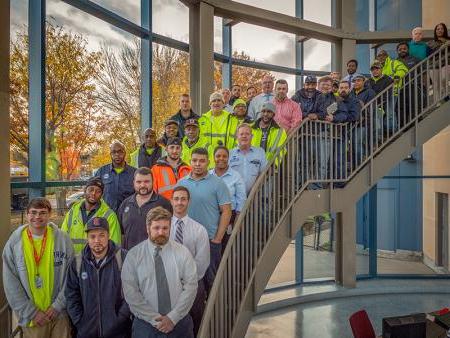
x=240 y=112
x=81 y=212
x=267 y=134
x=35 y=262
x=148 y=152
x=192 y=140
x=216 y=124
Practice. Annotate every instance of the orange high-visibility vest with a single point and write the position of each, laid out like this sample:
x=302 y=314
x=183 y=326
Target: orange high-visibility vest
x=165 y=177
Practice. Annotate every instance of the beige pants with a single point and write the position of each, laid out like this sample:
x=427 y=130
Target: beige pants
x=59 y=328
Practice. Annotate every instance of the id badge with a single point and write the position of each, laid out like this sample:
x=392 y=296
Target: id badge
x=38 y=281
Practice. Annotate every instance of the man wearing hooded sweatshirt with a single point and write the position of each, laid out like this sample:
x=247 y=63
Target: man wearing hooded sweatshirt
x=148 y=152
x=240 y=112
x=95 y=301
x=35 y=262
x=308 y=99
x=169 y=169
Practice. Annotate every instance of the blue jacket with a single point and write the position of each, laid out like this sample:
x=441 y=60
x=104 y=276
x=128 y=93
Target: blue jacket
x=348 y=109
x=309 y=104
x=365 y=95
x=95 y=301
x=117 y=186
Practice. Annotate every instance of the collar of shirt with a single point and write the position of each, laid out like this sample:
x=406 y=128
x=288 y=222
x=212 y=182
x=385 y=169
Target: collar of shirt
x=153 y=198
x=226 y=173
x=175 y=219
x=111 y=168
x=251 y=149
x=189 y=177
x=153 y=246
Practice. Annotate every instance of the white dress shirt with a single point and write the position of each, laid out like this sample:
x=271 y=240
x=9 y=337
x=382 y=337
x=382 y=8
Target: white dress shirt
x=139 y=282
x=195 y=238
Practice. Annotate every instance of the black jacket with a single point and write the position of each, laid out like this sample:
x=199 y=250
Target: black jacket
x=132 y=218
x=308 y=104
x=181 y=120
x=379 y=84
x=95 y=301
x=348 y=109
x=365 y=95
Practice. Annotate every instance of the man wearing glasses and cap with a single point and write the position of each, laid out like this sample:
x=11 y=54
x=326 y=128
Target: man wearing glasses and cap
x=148 y=152
x=95 y=301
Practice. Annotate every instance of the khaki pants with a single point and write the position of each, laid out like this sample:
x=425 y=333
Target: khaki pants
x=59 y=328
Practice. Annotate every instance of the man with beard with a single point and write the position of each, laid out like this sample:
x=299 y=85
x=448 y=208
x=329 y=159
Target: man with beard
x=133 y=210
x=288 y=113
x=192 y=140
x=148 y=152
x=308 y=99
x=403 y=55
x=95 y=302
x=267 y=134
x=159 y=278
x=352 y=67
x=171 y=129
x=169 y=169
x=117 y=176
x=81 y=212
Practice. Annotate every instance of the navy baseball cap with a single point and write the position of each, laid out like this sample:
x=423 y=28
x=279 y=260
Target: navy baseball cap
x=311 y=79
x=97 y=223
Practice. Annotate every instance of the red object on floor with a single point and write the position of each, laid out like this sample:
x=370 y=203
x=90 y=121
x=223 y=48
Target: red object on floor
x=361 y=325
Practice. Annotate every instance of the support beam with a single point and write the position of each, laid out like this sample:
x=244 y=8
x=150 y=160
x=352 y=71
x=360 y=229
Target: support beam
x=201 y=55
x=346 y=247
x=146 y=66
x=348 y=52
x=299 y=47
x=373 y=222
x=5 y=223
x=36 y=106
x=227 y=50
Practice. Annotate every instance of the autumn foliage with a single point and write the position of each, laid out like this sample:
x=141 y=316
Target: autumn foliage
x=93 y=97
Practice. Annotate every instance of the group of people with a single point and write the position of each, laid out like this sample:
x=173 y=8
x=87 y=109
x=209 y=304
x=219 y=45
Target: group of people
x=138 y=254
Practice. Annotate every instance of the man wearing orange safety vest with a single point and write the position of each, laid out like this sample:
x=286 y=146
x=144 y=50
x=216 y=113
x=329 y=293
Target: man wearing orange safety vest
x=169 y=169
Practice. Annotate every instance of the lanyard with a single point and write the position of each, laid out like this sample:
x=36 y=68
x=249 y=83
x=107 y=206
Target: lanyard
x=37 y=259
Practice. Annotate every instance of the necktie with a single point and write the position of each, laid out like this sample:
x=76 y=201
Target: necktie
x=162 y=286
x=179 y=233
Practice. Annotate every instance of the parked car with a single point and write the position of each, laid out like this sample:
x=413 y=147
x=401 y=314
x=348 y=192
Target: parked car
x=75 y=197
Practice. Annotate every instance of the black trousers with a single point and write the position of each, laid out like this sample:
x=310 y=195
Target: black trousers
x=215 y=257
x=198 y=308
x=143 y=329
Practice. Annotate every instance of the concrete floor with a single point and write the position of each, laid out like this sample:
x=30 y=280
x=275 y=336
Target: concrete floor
x=320 y=264
x=329 y=317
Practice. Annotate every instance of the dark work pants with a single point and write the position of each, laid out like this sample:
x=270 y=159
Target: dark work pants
x=215 y=257
x=198 y=307
x=183 y=329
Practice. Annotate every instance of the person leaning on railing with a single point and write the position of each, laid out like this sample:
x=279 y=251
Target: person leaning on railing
x=346 y=109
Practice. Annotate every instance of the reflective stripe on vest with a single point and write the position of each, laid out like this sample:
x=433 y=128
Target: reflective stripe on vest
x=166 y=179
x=277 y=139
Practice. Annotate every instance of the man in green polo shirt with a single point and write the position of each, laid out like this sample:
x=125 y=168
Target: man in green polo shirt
x=91 y=206
x=35 y=262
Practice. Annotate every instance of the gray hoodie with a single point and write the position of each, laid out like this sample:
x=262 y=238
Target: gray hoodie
x=15 y=277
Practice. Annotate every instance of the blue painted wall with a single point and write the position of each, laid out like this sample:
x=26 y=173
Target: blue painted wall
x=399 y=214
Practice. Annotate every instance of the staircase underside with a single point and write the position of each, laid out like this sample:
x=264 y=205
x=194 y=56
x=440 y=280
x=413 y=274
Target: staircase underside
x=314 y=202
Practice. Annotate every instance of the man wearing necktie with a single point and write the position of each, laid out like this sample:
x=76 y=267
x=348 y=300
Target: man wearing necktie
x=159 y=278
x=195 y=238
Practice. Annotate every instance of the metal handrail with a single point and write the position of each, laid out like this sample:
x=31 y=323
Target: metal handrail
x=317 y=152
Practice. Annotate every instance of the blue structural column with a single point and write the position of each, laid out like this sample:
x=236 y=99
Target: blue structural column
x=299 y=47
x=227 y=50
x=146 y=66
x=36 y=106
x=299 y=64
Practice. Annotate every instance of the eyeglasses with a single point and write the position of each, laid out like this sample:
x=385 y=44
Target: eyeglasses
x=38 y=213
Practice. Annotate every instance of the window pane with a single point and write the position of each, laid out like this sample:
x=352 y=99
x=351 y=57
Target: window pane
x=19 y=90
x=266 y=45
x=128 y=9
x=98 y=65
x=171 y=18
x=281 y=6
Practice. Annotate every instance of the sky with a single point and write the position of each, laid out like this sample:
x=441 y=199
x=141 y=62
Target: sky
x=171 y=18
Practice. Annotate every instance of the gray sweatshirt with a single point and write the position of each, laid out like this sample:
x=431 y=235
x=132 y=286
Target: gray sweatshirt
x=15 y=277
